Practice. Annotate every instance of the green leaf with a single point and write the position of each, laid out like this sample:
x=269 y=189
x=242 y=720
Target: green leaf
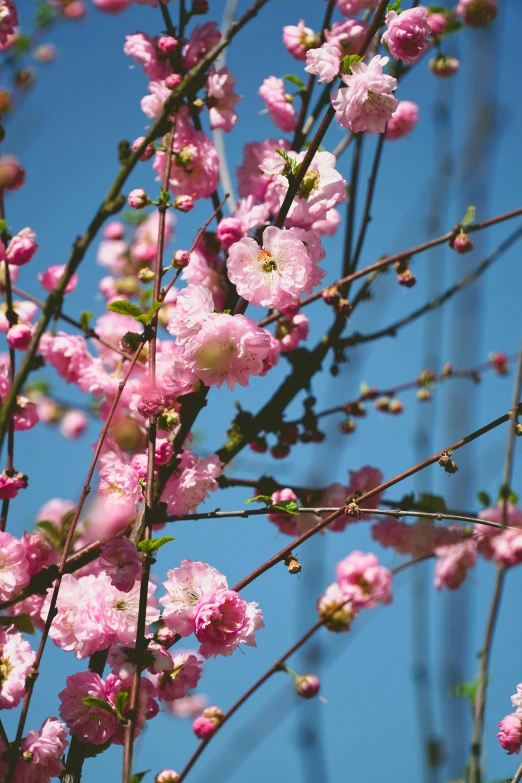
x=138 y=776
x=150 y=546
x=123 y=307
x=266 y=499
x=484 y=498
x=39 y=386
x=431 y=503
x=469 y=217
x=146 y=318
x=293 y=79
x=100 y=704
x=395 y=6
x=164 y=196
x=506 y=494
x=464 y=690
x=21 y=622
x=85 y=317
x=289 y=506
x=346 y=62
x=3 y=225
x=51 y=533
x=120 y=702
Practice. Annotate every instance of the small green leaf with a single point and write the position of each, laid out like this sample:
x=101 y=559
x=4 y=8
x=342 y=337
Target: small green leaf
x=164 y=196
x=469 y=217
x=3 y=225
x=39 y=386
x=146 y=318
x=346 y=62
x=100 y=704
x=85 y=317
x=120 y=702
x=289 y=506
x=395 y=6
x=150 y=546
x=434 y=504
x=484 y=498
x=51 y=532
x=138 y=776
x=293 y=79
x=123 y=307
x=266 y=499
x=507 y=495
x=464 y=690
x=21 y=622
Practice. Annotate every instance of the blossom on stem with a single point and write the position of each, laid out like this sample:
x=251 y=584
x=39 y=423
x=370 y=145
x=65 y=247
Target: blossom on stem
x=221 y=99
x=407 y=34
x=142 y=48
x=122 y=562
x=364 y=580
x=8 y=19
x=366 y=103
x=324 y=62
x=16 y=660
x=403 y=120
x=298 y=39
x=190 y=484
x=88 y=724
x=510 y=732
x=279 y=104
x=22 y=247
x=53 y=275
x=202 y=40
x=183 y=676
x=14 y=566
x=207 y=723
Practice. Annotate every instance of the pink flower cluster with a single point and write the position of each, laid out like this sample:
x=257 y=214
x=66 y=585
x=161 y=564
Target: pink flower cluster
x=510 y=727
x=199 y=601
x=366 y=103
x=42 y=752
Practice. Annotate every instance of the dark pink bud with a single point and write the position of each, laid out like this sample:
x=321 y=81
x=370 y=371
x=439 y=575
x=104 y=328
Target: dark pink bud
x=208 y=722
x=331 y=295
x=148 y=152
x=280 y=451
x=307 y=686
x=259 y=445
x=12 y=175
x=229 y=231
x=19 y=336
x=183 y=203
x=462 y=242
x=499 y=362
x=151 y=404
x=510 y=733
x=437 y=22
x=167 y=44
x=200 y=7
x=138 y=199
x=172 y=81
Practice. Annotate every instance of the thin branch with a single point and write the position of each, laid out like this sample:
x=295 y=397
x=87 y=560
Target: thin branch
x=12 y=319
x=518 y=774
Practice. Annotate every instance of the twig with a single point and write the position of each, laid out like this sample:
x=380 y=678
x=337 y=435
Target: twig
x=12 y=319
x=352 y=203
x=518 y=774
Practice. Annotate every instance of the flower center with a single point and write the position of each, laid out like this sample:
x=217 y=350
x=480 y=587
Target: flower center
x=185 y=157
x=268 y=262
x=5 y=669
x=309 y=184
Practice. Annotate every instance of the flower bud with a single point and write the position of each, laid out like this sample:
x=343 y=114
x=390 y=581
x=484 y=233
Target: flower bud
x=151 y=404
x=168 y=420
x=200 y=7
x=208 y=722
x=477 y=13
x=307 y=686
x=148 y=152
x=183 y=203
x=167 y=44
x=146 y=275
x=172 y=81
x=518 y=429
x=447 y=463
x=259 y=445
x=499 y=362
x=180 y=259
x=447 y=370
x=407 y=279
x=343 y=307
x=137 y=199
x=45 y=53
x=280 y=451
x=167 y=776
x=19 y=336
x=462 y=243
x=347 y=426
x=165 y=636
x=12 y=175
x=330 y=295
x=395 y=406
x=22 y=247
x=114 y=230
x=443 y=65
x=437 y=22
x=423 y=395
x=229 y=231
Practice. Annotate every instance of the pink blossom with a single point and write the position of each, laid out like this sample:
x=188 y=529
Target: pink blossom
x=229 y=230
x=120 y=609
x=407 y=34
x=362 y=579
x=336 y=609
x=251 y=181
x=290 y=332
x=10 y=486
x=195 y=166
x=477 y=13
x=274 y=275
x=114 y=230
x=346 y=36
x=366 y=103
x=298 y=39
x=39 y=552
x=119 y=484
x=142 y=49
x=506 y=548
x=250 y=215
x=46 y=747
x=122 y=562
x=437 y=22
x=183 y=676
x=323 y=62
x=19 y=336
x=403 y=120
x=156 y=659
x=22 y=247
x=223 y=621
x=45 y=53
x=510 y=732
x=89 y=724
x=25 y=416
x=188 y=706
x=111 y=254
x=307 y=686
x=67 y=353
x=190 y=485
x=205 y=725
x=327 y=225
x=453 y=563
x=14 y=567
x=31 y=606
x=221 y=99
x=111 y=6
x=193 y=306
x=16 y=659
x=152 y=104
x=8 y=19
x=291 y=524
x=147 y=705
x=227 y=348
x=363 y=481
x=147 y=154
x=25 y=312
x=278 y=104
x=150 y=404
x=12 y=175
x=184 y=587
x=74 y=424
x=55 y=510
x=202 y=40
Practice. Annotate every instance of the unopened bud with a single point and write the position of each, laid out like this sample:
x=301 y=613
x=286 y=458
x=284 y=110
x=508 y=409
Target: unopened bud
x=280 y=450
x=172 y=81
x=462 y=243
x=395 y=406
x=347 y=426
x=423 y=395
x=167 y=776
x=137 y=199
x=499 y=362
x=447 y=370
x=146 y=275
x=183 y=203
x=147 y=153
x=208 y=722
x=330 y=295
x=167 y=44
x=518 y=429
x=165 y=636
x=307 y=686
x=180 y=259
x=343 y=307
x=259 y=445
x=444 y=66
x=382 y=404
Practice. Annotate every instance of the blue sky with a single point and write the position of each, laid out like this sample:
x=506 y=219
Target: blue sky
x=66 y=132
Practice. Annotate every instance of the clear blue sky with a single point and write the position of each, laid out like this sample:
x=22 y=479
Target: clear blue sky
x=66 y=133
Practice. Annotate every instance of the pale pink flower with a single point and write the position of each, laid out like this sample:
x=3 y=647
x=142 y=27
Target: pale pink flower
x=55 y=510
x=152 y=104
x=14 y=567
x=147 y=705
x=516 y=699
x=173 y=375
x=114 y=230
x=25 y=312
x=364 y=580
x=507 y=548
x=31 y=606
x=16 y=659
x=8 y=19
x=189 y=487
x=39 y=552
x=477 y=13
x=485 y=535
x=111 y=254
x=188 y=706
x=122 y=562
x=221 y=99
x=202 y=40
x=223 y=621
x=453 y=563
x=391 y=532
x=142 y=49
x=19 y=336
x=274 y=275
x=278 y=104
x=67 y=353
x=250 y=215
x=510 y=732
x=89 y=724
x=364 y=480
x=228 y=348
x=251 y=181
x=156 y=659
x=25 y=416
x=119 y=484
x=184 y=587
x=183 y=676
x=366 y=103
x=298 y=39
x=22 y=247
x=437 y=22
x=46 y=747
x=53 y=275
x=403 y=120
x=120 y=609
x=328 y=225
x=193 y=306
x=290 y=332
x=74 y=424
x=407 y=34
x=324 y=62
x=346 y=36
x=195 y=166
